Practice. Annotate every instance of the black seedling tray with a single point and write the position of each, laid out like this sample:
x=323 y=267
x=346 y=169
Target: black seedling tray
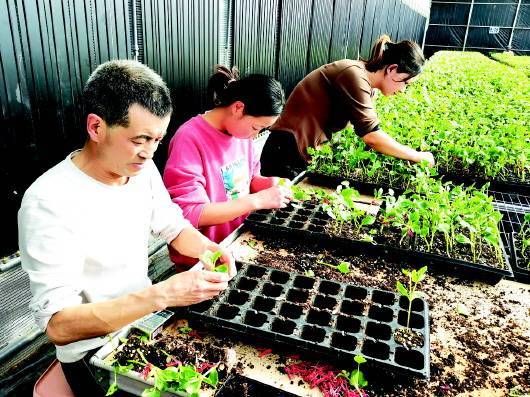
x=309 y=221
x=363 y=187
x=511 y=225
x=521 y=268
x=252 y=387
x=507 y=186
x=320 y=317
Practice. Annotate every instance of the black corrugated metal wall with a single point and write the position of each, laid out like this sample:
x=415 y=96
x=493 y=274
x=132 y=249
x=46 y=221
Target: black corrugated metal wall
x=49 y=47
x=479 y=25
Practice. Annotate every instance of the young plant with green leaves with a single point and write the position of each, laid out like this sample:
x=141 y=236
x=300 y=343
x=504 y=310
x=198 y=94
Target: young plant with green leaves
x=211 y=258
x=342 y=209
x=356 y=377
x=343 y=267
x=410 y=291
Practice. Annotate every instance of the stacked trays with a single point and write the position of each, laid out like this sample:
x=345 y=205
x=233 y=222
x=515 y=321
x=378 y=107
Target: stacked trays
x=309 y=220
x=320 y=317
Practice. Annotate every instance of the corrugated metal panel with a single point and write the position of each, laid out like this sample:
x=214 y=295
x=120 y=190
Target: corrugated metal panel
x=294 y=28
x=254 y=44
x=320 y=34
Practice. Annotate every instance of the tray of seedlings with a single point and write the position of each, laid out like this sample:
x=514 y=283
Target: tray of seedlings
x=452 y=227
x=324 y=318
x=150 y=359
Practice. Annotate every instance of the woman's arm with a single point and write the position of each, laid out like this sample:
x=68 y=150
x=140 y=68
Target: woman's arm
x=385 y=144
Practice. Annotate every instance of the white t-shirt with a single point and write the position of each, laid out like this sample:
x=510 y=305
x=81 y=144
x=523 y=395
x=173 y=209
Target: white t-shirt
x=82 y=241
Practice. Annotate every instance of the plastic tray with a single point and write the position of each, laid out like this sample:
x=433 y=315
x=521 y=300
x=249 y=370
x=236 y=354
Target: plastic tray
x=309 y=221
x=320 y=317
x=511 y=226
x=131 y=382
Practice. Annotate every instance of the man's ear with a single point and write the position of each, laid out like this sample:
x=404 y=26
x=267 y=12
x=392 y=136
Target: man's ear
x=237 y=109
x=95 y=127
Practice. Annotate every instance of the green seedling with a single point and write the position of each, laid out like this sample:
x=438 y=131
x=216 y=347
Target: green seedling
x=211 y=258
x=299 y=193
x=309 y=273
x=414 y=277
x=252 y=243
x=185 y=330
x=343 y=267
x=356 y=377
x=181 y=378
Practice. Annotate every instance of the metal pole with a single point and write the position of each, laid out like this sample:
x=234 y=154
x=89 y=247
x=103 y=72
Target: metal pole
x=467 y=25
x=135 y=32
x=513 y=25
x=426 y=27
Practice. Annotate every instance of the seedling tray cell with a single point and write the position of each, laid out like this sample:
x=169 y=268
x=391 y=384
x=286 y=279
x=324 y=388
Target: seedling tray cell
x=312 y=220
x=320 y=317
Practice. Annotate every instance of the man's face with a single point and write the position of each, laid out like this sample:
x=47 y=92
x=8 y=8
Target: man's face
x=125 y=150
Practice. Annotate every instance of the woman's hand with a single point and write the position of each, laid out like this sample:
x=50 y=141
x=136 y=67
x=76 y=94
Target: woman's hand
x=427 y=156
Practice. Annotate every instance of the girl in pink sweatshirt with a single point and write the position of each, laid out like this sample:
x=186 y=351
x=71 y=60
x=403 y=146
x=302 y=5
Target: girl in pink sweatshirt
x=212 y=171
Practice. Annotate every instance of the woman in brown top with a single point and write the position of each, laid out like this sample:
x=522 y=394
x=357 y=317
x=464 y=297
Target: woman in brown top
x=336 y=94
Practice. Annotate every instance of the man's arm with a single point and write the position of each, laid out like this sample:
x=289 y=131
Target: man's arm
x=90 y=320
x=385 y=144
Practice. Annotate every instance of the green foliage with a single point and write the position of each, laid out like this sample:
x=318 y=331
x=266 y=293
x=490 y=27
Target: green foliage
x=519 y=62
x=410 y=292
x=455 y=214
x=341 y=208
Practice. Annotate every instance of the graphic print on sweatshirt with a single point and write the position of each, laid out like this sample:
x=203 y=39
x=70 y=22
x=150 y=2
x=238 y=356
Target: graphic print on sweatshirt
x=235 y=178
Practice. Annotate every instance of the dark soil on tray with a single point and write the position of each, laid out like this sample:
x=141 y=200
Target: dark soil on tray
x=484 y=352
x=408 y=338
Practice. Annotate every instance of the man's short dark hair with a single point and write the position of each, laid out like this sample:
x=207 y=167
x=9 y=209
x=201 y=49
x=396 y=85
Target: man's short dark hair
x=116 y=85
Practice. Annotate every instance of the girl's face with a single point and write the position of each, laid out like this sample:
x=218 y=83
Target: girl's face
x=244 y=126
x=394 y=82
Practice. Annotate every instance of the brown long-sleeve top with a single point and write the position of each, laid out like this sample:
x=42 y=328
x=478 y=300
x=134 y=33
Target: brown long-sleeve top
x=325 y=101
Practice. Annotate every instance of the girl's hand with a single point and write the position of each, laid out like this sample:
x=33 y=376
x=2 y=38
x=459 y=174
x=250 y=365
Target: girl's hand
x=425 y=156
x=273 y=197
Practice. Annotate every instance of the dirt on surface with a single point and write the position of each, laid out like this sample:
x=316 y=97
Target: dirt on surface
x=480 y=334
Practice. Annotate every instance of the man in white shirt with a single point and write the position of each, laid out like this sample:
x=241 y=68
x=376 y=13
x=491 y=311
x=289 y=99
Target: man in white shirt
x=84 y=224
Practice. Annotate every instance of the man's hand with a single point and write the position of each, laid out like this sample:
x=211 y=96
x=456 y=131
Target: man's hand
x=193 y=286
x=225 y=259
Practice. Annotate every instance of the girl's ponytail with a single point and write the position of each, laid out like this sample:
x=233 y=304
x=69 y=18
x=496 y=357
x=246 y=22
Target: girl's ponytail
x=219 y=81
x=262 y=95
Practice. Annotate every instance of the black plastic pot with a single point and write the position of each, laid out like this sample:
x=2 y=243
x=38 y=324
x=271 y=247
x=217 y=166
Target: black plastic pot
x=453 y=266
x=322 y=318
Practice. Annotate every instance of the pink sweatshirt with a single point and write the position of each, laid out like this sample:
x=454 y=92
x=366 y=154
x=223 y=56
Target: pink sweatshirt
x=207 y=166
